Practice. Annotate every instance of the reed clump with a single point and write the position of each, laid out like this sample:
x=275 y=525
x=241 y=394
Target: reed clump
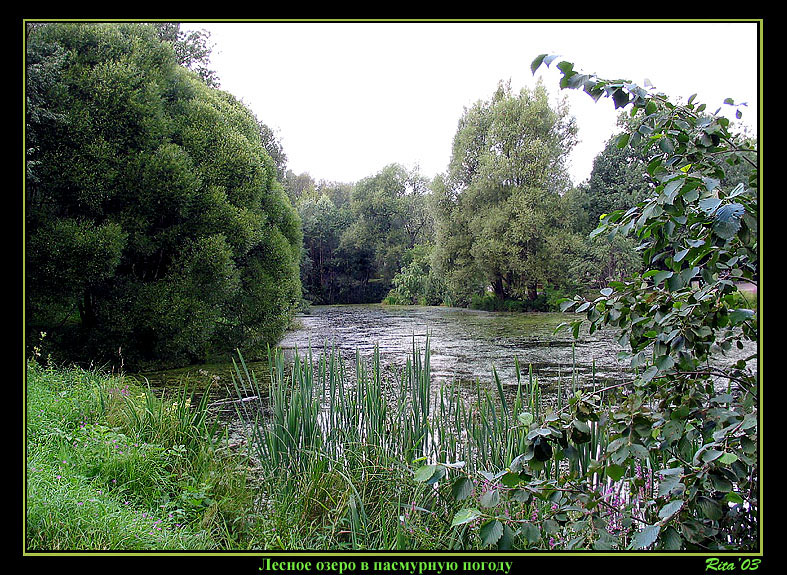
x=371 y=463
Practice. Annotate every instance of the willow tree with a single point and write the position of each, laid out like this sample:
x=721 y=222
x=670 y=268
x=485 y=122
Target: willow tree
x=498 y=207
x=155 y=226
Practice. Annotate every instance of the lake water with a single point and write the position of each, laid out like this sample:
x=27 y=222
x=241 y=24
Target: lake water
x=464 y=343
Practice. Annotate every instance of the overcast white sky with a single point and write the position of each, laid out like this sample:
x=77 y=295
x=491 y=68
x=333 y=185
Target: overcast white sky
x=347 y=99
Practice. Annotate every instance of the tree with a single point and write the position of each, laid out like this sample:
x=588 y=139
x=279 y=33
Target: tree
x=298 y=185
x=618 y=181
x=452 y=256
x=417 y=283
x=323 y=224
x=192 y=49
x=390 y=217
x=498 y=207
x=155 y=225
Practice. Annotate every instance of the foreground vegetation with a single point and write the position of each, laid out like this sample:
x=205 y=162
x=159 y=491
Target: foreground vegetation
x=338 y=457
x=111 y=466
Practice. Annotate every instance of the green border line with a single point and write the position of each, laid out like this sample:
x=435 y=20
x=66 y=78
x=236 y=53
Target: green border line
x=490 y=555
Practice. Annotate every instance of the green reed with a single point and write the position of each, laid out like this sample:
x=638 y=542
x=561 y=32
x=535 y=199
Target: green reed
x=320 y=408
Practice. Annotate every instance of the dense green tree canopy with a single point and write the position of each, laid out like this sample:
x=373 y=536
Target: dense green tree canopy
x=155 y=226
x=356 y=236
x=323 y=224
x=391 y=216
x=618 y=181
x=498 y=208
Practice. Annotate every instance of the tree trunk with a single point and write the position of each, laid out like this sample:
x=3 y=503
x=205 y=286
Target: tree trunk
x=532 y=291
x=497 y=285
x=86 y=312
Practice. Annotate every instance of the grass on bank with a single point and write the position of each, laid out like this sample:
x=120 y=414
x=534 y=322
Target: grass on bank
x=112 y=466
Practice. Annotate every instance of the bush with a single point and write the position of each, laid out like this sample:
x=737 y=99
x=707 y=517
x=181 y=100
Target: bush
x=491 y=302
x=693 y=426
x=157 y=231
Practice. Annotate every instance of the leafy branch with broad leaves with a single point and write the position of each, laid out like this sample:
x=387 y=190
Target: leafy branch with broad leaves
x=698 y=235
x=698 y=239
x=678 y=442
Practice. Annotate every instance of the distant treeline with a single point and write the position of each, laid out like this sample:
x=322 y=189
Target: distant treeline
x=163 y=226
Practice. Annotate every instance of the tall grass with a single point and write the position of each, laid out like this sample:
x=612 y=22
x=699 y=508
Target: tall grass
x=320 y=408
x=350 y=442
x=313 y=408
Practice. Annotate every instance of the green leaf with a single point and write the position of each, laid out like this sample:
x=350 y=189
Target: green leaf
x=491 y=532
x=462 y=488
x=542 y=58
x=490 y=498
x=728 y=458
x=737 y=316
x=709 y=205
x=535 y=64
x=429 y=474
x=710 y=455
x=664 y=362
x=531 y=532
x=465 y=516
x=671 y=190
x=727 y=220
x=580 y=432
x=660 y=276
x=566 y=304
x=506 y=542
x=425 y=472
x=520 y=495
x=639 y=451
x=615 y=472
x=670 y=509
x=671 y=539
x=649 y=374
x=566 y=67
x=666 y=145
x=510 y=480
x=517 y=465
x=525 y=418
x=646 y=537
x=617 y=444
x=688 y=274
x=620 y=98
x=709 y=508
x=599 y=230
